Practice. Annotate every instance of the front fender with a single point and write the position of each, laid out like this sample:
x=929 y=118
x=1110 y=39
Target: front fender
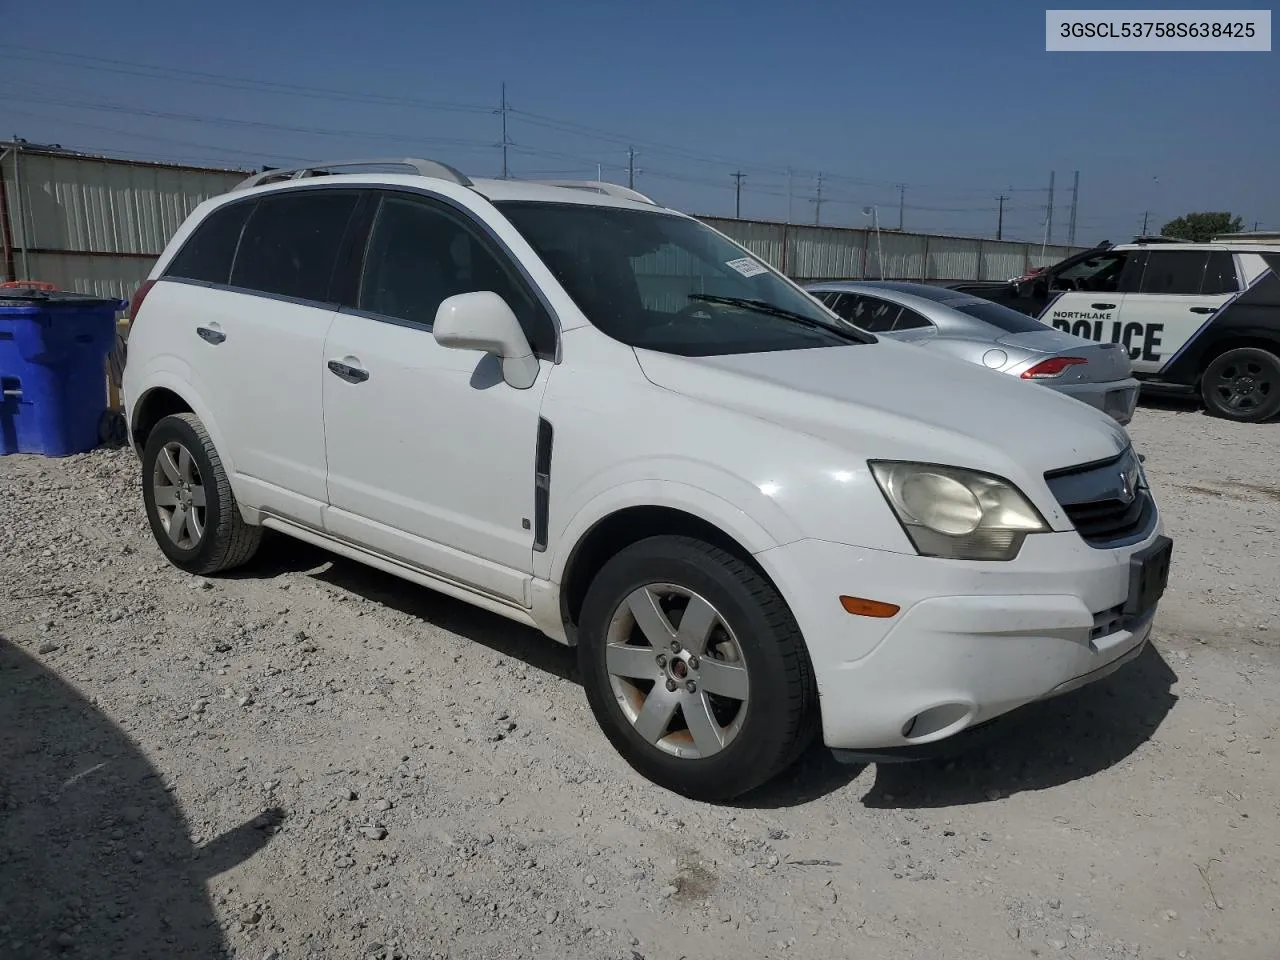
x=729 y=503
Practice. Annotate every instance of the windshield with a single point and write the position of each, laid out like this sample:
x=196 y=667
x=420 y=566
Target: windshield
x=671 y=284
x=1005 y=318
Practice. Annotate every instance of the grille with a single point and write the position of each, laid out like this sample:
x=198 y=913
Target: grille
x=1108 y=503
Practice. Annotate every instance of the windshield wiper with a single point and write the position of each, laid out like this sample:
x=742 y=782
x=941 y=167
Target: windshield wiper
x=763 y=306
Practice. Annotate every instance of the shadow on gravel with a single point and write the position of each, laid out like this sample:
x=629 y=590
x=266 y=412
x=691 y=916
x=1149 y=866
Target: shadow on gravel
x=1045 y=744
x=281 y=554
x=95 y=857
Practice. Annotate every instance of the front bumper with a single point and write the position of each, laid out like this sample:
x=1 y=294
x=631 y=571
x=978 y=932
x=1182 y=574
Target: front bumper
x=971 y=642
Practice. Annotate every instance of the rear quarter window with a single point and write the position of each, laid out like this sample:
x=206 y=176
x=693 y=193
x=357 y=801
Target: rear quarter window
x=209 y=251
x=1002 y=318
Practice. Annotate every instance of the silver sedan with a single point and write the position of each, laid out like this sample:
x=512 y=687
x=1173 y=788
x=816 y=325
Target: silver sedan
x=987 y=333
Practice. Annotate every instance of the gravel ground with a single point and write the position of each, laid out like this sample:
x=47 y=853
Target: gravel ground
x=312 y=759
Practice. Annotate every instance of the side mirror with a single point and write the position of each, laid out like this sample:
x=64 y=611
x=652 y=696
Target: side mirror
x=483 y=321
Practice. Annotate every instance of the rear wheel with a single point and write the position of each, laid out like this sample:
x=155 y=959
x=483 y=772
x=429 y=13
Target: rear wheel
x=1242 y=384
x=695 y=668
x=190 y=506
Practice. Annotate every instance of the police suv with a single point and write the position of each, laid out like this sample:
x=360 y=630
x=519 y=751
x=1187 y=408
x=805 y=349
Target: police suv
x=1195 y=317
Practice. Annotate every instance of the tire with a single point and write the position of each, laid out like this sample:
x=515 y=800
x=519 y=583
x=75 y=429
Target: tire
x=1243 y=385
x=749 y=741
x=219 y=539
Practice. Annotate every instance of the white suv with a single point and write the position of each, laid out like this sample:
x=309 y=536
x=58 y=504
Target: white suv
x=606 y=420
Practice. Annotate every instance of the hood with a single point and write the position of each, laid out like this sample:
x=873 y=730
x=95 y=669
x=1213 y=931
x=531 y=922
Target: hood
x=894 y=401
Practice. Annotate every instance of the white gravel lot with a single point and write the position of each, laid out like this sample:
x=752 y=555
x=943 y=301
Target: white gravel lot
x=312 y=759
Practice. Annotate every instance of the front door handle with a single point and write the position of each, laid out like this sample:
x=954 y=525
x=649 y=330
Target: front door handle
x=348 y=372
x=211 y=335
x=1203 y=309
x=1103 y=306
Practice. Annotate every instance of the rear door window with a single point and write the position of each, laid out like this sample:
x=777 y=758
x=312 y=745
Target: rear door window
x=1219 y=274
x=869 y=313
x=290 y=244
x=1174 y=272
x=209 y=251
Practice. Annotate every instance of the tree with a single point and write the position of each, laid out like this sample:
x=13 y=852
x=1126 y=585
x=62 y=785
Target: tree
x=1201 y=227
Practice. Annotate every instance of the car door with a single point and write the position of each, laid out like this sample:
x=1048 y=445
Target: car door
x=1088 y=297
x=431 y=455
x=259 y=338
x=1179 y=292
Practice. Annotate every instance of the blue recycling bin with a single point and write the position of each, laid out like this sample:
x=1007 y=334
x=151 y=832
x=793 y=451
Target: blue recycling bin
x=53 y=352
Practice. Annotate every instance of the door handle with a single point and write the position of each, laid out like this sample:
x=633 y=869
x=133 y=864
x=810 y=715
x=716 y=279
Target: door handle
x=211 y=335
x=1203 y=309
x=1103 y=306
x=347 y=372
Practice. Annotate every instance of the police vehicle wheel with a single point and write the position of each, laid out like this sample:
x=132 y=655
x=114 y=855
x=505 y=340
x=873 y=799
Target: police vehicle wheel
x=1242 y=384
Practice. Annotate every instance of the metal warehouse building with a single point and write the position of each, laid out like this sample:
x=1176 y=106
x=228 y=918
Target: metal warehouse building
x=95 y=225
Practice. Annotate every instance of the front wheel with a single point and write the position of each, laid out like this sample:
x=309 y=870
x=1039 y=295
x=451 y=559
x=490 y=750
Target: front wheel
x=695 y=668
x=1242 y=384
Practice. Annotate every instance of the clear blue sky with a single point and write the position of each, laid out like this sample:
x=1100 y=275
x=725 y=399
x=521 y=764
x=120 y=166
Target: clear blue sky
x=959 y=102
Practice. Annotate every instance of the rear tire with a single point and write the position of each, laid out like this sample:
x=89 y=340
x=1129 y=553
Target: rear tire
x=1243 y=385
x=731 y=704
x=190 y=506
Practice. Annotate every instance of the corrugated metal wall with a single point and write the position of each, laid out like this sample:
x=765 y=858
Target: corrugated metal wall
x=832 y=253
x=94 y=225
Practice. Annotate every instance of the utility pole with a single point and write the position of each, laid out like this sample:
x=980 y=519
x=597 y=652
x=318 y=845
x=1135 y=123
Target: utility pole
x=505 y=141
x=1145 y=214
x=1075 y=199
x=788 y=194
x=1048 y=223
x=737 y=201
x=902 y=204
x=817 y=209
x=1000 y=221
x=631 y=167
x=1255 y=225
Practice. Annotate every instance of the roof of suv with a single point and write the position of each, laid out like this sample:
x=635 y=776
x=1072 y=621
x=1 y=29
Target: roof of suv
x=431 y=172
x=1224 y=244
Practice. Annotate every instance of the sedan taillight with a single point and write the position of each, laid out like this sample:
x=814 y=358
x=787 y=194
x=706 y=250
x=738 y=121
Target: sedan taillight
x=1053 y=367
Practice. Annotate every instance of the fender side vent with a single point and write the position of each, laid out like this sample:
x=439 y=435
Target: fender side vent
x=542 y=485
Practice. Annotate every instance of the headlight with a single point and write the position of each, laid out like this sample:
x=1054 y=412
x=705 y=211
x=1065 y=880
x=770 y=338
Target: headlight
x=957 y=514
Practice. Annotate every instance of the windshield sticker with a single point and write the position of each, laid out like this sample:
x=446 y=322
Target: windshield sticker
x=747 y=267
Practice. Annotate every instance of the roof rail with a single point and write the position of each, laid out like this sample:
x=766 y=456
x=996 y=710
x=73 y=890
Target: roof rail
x=599 y=186
x=425 y=168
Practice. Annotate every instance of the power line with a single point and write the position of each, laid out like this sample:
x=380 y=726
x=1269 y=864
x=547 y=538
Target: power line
x=151 y=71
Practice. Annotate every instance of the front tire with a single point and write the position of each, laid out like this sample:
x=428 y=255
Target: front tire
x=190 y=506
x=1243 y=385
x=695 y=668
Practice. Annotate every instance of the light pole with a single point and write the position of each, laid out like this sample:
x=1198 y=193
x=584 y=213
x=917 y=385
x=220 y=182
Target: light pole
x=874 y=214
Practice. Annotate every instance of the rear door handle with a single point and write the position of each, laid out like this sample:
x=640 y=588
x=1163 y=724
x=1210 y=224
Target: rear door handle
x=1103 y=306
x=1203 y=309
x=348 y=372
x=211 y=335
